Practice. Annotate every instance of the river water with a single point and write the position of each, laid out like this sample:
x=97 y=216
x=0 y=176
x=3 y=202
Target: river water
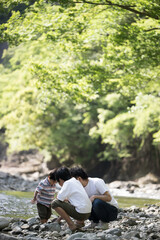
x=18 y=204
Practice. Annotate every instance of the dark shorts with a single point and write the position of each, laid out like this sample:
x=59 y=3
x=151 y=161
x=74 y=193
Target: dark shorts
x=43 y=211
x=70 y=210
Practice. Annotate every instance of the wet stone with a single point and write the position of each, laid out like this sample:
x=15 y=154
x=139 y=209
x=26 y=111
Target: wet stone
x=129 y=227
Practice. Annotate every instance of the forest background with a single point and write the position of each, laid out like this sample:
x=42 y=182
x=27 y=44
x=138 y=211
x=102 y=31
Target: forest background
x=80 y=82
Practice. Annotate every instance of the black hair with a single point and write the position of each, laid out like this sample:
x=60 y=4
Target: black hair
x=52 y=174
x=78 y=172
x=63 y=173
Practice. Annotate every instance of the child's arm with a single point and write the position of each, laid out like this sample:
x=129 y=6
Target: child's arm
x=35 y=197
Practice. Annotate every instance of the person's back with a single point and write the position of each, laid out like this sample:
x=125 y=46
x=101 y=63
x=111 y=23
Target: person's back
x=46 y=192
x=73 y=190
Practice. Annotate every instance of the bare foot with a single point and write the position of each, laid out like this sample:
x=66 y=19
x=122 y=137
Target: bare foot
x=73 y=227
x=43 y=221
x=80 y=224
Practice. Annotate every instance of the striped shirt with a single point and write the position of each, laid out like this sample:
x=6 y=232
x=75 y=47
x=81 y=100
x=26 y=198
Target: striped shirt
x=46 y=192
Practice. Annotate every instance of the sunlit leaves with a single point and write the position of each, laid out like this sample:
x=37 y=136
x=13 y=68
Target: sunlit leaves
x=82 y=78
x=146 y=112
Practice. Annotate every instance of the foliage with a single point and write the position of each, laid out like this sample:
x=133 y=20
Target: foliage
x=83 y=78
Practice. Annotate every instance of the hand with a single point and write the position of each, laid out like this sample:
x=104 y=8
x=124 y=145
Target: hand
x=92 y=198
x=33 y=201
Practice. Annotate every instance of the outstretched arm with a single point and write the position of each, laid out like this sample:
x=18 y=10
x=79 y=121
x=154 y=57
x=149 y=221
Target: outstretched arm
x=35 y=197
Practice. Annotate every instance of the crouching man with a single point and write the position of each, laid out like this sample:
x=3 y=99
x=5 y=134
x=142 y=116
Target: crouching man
x=72 y=200
x=104 y=206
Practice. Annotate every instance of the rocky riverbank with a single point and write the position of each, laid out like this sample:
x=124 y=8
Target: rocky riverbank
x=132 y=224
x=16 y=183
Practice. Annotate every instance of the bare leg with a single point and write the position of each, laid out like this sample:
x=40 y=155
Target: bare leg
x=59 y=219
x=66 y=217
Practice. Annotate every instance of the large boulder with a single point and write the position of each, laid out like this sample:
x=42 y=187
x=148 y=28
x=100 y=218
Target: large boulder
x=4 y=222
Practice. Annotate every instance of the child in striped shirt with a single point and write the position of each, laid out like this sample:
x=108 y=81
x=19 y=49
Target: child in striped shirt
x=44 y=195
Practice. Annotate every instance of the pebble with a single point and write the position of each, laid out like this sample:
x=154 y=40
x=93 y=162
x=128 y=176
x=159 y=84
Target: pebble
x=133 y=224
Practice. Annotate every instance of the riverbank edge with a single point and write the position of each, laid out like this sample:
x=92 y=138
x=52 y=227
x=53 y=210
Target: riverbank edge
x=136 y=189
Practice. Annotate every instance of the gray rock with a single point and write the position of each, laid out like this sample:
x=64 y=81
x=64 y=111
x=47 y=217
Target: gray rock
x=52 y=227
x=143 y=235
x=32 y=221
x=4 y=222
x=92 y=236
x=32 y=238
x=134 y=238
x=16 y=230
x=131 y=234
x=31 y=234
x=25 y=226
x=143 y=228
x=16 y=224
x=133 y=225
x=7 y=237
x=65 y=232
x=42 y=227
x=76 y=235
x=130 y=222
x=53 y=235
x=110 y=237
x=34 y=227
x=7 y=229
x=101 y=235
x=114 y=231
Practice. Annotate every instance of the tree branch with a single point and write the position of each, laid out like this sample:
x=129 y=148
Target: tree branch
x=125 y=7
x=148 y=30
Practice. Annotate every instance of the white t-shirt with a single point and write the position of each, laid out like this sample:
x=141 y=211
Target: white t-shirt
x=73 y=191
x=96 y=186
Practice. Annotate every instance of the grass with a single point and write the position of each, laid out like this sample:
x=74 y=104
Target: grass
x=19 y=194
x=125 y=202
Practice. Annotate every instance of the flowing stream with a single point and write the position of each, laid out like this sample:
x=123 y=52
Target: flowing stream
x=18 y=204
